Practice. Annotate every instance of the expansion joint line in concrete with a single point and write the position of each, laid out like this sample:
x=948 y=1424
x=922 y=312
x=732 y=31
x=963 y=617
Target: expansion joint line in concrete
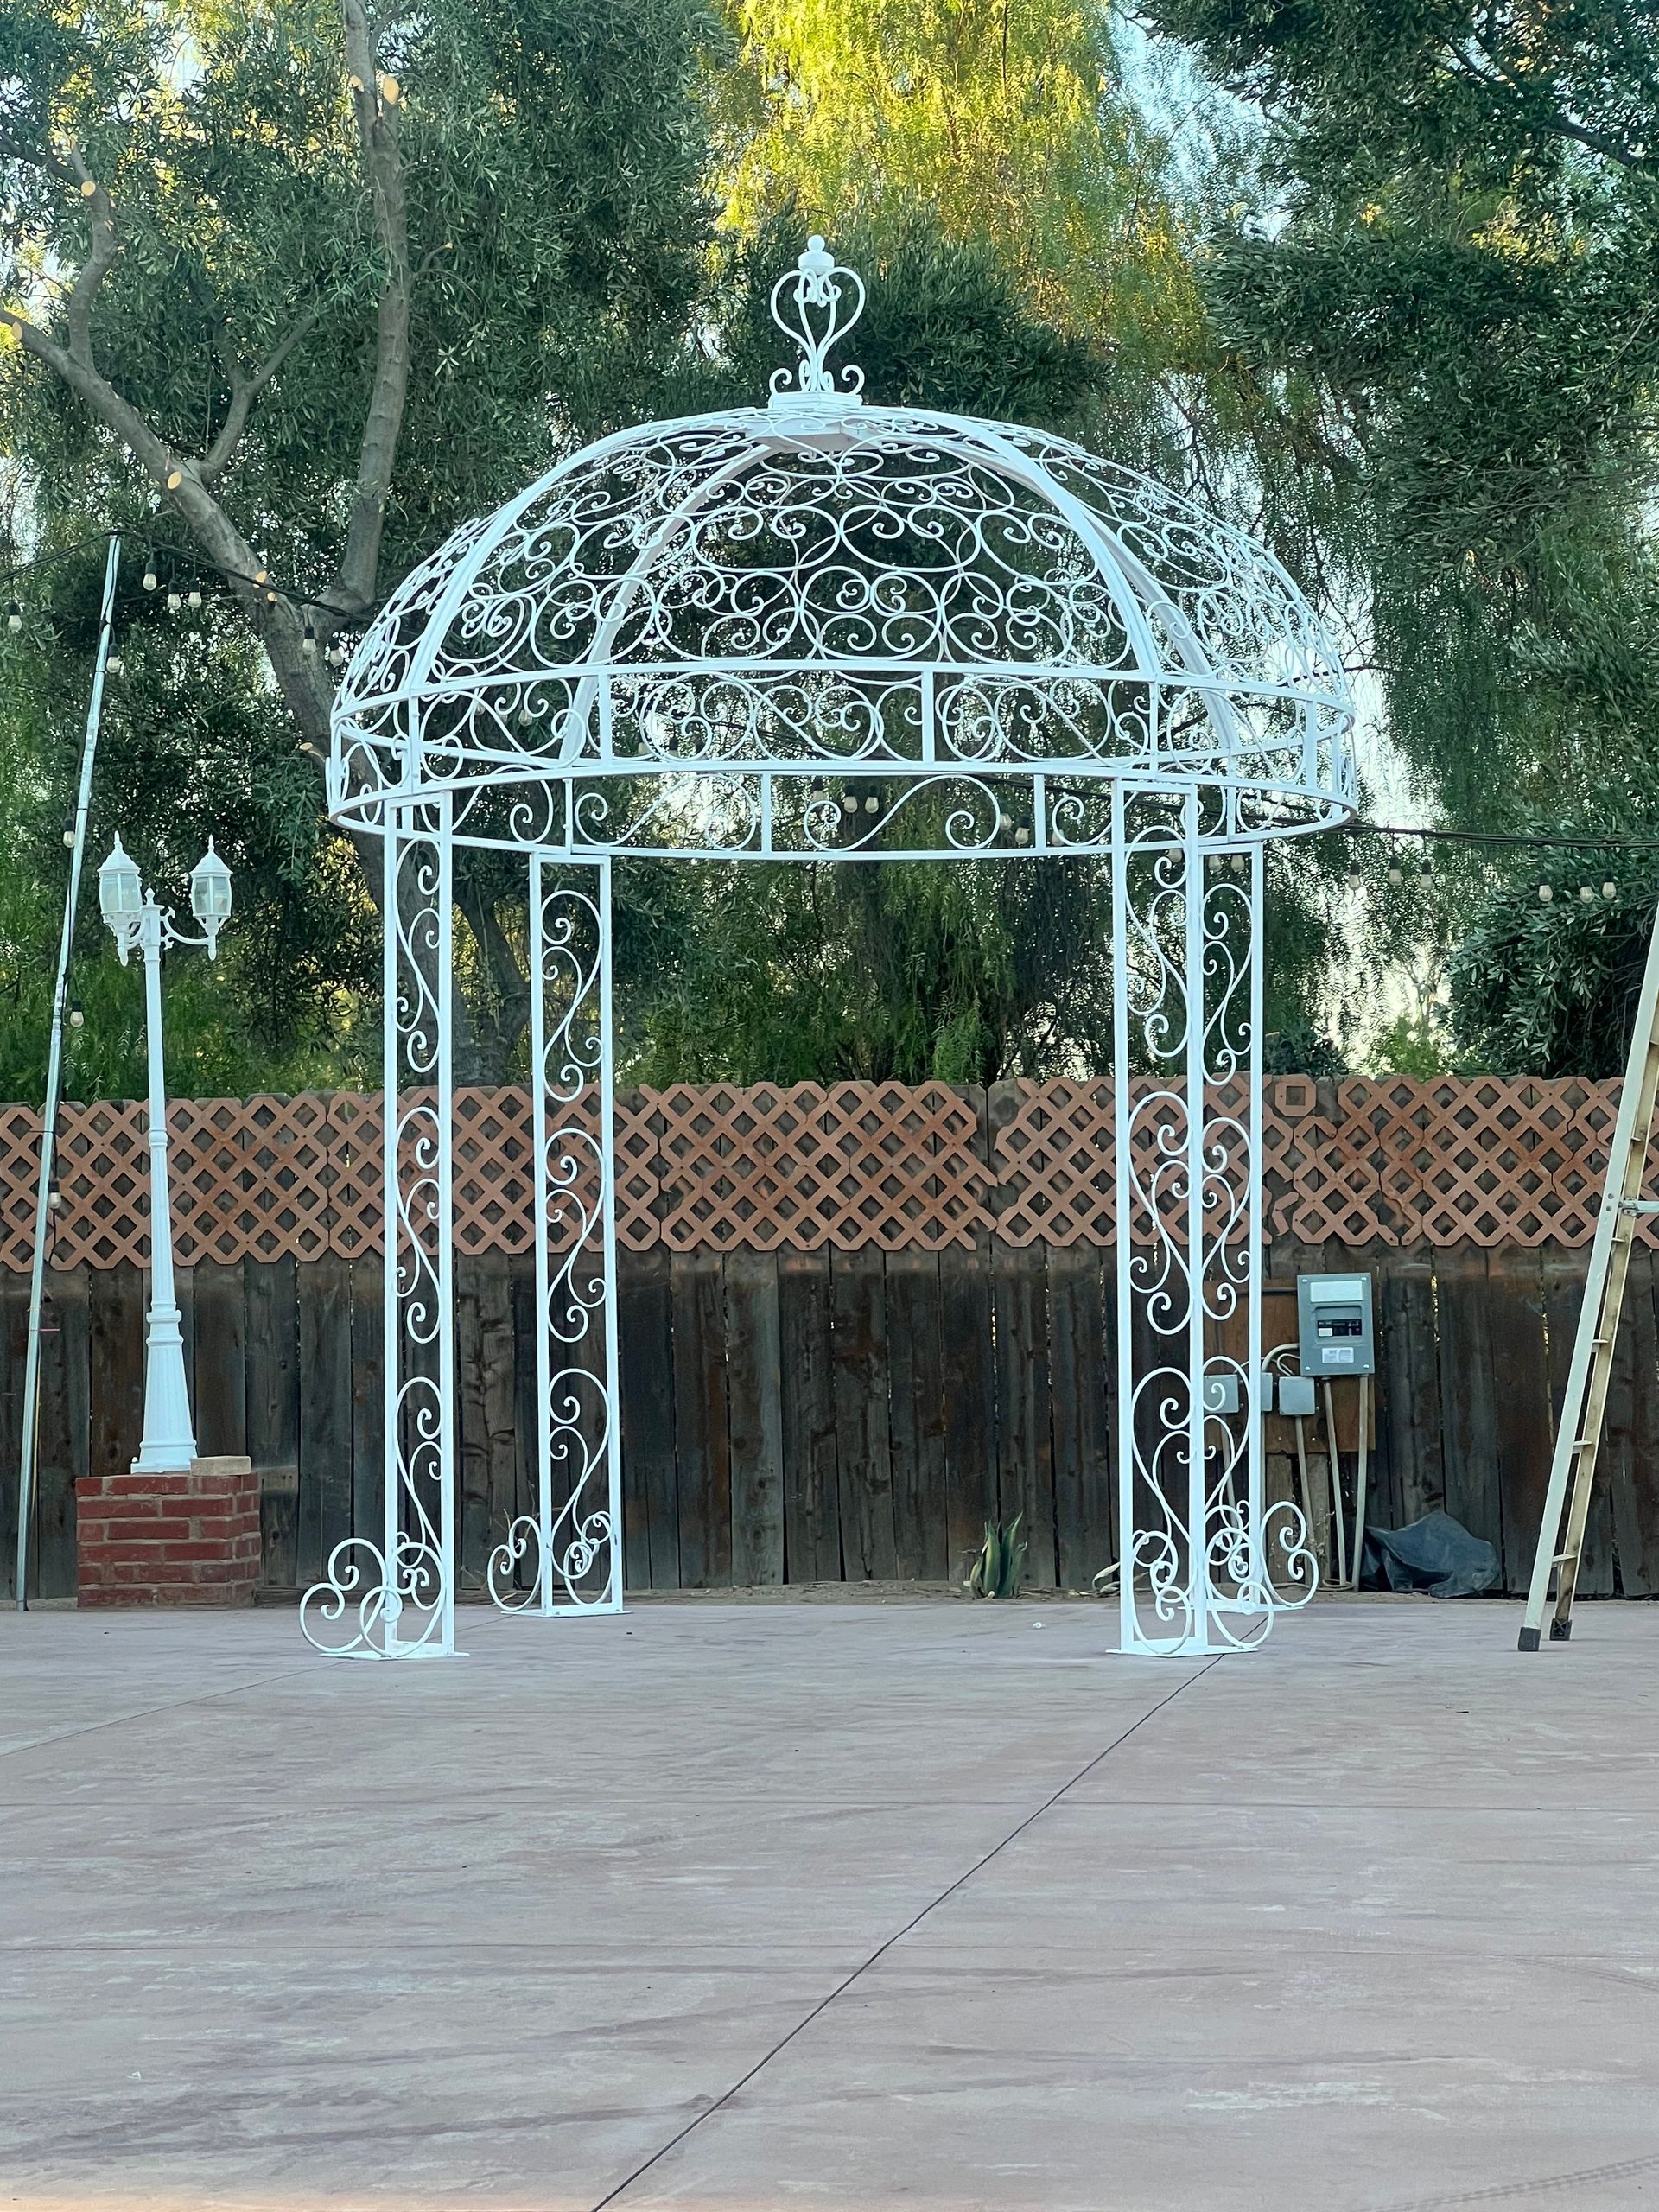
x=898 y=1936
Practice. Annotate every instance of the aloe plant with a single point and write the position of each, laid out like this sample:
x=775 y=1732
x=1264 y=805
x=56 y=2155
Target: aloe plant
x=1001 y=1568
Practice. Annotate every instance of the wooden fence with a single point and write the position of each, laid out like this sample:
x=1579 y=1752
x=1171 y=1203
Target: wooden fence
x=855 y=1324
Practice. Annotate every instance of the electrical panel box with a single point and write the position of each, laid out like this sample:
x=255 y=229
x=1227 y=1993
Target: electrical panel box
x=1334 y=1334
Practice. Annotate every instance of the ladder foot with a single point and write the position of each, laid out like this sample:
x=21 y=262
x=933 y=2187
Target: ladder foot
x=1560 y=1632
x=1529 y=1640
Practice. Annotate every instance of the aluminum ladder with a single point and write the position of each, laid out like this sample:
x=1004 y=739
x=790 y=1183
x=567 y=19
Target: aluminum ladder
x=1578 y=1437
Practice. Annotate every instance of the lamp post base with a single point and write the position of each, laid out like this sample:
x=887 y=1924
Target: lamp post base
x=168 y=1445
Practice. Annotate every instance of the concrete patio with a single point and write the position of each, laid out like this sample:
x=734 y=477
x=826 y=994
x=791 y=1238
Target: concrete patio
x=871 y=1906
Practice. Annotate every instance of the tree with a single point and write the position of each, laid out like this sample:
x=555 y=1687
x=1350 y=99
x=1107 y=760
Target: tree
x=296 y=288
x=1459 y=266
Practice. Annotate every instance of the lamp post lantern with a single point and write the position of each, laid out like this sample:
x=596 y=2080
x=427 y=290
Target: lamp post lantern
x=136 y=921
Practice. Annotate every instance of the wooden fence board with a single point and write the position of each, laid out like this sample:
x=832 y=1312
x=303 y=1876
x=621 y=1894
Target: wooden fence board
x=220 y=1365
x=916 y=1416
x=645 y=1336
x=14 y=1337
x=117 y=1324
x=811 y=1481
x=1520 y=1371
x=64 y=1430
x=1632 y=1491
x=1468 y=1413
x=324 y=1514
x=858 y=1336
x=1408 y=1388
x=969 y=1404
x=754 y=1389
x=702 y=1448
x=1024 y=1435
x=273 y=1408
x=368 y=1400
x=485 y=1355
x=1083 y=1387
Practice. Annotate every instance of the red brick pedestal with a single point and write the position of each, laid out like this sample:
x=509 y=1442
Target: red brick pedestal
x=170 y=1540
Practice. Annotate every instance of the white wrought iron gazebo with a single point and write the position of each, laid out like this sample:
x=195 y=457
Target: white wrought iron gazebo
x=824 y=629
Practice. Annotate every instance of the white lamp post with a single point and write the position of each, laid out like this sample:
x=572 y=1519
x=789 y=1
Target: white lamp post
x=135 y=919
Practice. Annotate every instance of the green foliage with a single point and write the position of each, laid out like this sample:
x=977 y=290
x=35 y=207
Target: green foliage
x=551 y=157
x=1411 y=1045
x=999 y=1569
x=1541 y=988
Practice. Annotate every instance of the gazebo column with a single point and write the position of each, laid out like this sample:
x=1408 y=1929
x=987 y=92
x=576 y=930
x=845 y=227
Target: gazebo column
x=566 y=1556
x=1193 y=1527
x=395 y=1598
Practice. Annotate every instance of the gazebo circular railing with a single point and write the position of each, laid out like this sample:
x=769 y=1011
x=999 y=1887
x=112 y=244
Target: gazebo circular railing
x=825 y=629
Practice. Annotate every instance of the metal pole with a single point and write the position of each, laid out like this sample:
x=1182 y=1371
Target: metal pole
x=1198 y=1497
x=543 y=1229
x=1336 y=1486
x=54 y=1084
x=608 y=1204
x=1128 y=1620
x=168 y=1445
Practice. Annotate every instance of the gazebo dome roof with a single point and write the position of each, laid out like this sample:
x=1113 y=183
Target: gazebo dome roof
x=699 y=636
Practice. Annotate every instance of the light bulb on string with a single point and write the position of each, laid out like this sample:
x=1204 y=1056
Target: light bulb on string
x=14 y=618
x=195 y=597
x=1427 y=870
x=77 y=1015
x=309 y=642
x=850 y=801
x=69 y=831
x=114 y=666
x=872 y=803
x=1586 y=896
x=1022 y=834
x=150 y=577
x=1610 y=891
x=1395 y=872
x=1545 y=893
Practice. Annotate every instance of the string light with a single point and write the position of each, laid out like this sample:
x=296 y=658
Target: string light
x=1586 y=895
x=14 y=618
x=309 y=642
x=69 y=831
x=1022 y=834
x=114 y=666
x=1394 y=873
x=150 y=577
x=1610 y=891
x=174 y=602
x=872 y=804
x=850 y=801
x=195 y=599
x=1546 y=892
x=77 y=1015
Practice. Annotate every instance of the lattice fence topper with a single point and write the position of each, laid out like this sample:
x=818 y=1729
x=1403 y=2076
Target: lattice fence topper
x=1483 y=1160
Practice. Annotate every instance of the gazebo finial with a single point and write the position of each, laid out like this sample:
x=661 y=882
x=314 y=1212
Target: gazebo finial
x=813 y=317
